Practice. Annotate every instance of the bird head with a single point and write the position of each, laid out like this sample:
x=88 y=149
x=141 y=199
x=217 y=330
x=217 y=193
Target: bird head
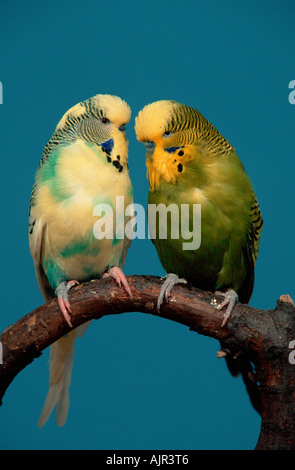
x=176 y=137
x=167 y=129
x=98 y=120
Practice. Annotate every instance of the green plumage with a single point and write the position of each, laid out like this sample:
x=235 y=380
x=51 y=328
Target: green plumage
x=195 y=164
x=189 y=162
x=226 y=255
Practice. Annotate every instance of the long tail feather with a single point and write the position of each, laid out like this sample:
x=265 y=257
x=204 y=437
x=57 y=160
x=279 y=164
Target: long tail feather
x=60 y=371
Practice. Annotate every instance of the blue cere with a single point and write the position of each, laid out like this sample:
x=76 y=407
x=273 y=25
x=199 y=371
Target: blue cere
x=107 y=146
x=172 y=149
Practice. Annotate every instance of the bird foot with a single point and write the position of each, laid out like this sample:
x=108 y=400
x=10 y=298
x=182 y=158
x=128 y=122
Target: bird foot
x=221 y=353
x=171 y=280
x=119 y=277
x=62 y=298
x=230 y=299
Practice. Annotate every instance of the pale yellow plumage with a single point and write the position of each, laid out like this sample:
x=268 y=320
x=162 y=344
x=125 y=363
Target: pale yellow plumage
x=84 y=164
x=80 y=171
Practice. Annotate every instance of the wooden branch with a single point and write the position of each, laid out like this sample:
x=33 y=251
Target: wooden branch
x=263 y=335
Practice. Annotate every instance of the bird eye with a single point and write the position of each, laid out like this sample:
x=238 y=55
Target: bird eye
x=105 y=120
x=167 y=133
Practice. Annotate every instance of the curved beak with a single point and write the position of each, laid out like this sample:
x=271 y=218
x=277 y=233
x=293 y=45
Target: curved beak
x=150 y=147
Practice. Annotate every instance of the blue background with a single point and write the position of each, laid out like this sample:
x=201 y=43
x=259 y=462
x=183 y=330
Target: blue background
x=141 y=382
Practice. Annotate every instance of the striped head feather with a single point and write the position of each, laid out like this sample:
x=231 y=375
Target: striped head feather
x=91 y=120
x=174 y=134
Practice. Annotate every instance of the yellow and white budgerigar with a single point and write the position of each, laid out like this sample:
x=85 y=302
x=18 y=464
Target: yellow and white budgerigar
x=190 y=163
x=84 y=164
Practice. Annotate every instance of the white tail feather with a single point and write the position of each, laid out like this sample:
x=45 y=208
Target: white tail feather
x=61 y=364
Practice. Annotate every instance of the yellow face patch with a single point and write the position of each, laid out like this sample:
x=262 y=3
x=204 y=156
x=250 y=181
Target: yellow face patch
x=167 y=129
x=168 y=145
x=168 y=164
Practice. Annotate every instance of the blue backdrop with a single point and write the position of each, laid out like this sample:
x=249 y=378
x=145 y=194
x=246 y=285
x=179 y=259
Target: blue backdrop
x=141 y=382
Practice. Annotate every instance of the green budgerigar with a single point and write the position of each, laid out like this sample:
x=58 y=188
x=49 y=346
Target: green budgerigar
x=190 y=163
x=84 y=164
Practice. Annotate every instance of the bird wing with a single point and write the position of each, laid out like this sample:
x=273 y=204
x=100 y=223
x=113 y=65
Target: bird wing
x=255 y=229
x=37 y=231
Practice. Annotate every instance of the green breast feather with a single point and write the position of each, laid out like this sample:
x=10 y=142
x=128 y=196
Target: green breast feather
x=229 y=236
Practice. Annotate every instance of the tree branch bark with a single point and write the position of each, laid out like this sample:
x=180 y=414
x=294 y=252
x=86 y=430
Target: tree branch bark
x=263 y=335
